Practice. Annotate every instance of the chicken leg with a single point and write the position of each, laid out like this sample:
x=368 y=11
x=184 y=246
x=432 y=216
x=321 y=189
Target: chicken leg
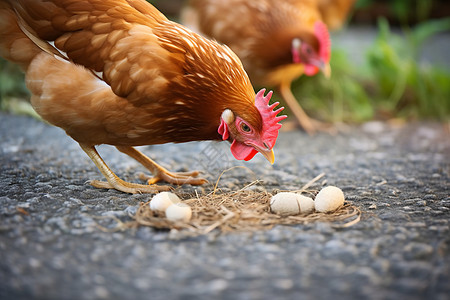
x=305 y=122
x=159 y=172
x=308 y=124
x=114 y=182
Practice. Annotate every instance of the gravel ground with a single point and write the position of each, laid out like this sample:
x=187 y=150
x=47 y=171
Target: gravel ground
x=52 y=247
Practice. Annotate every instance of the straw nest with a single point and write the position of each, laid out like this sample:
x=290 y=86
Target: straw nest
x=243 y=210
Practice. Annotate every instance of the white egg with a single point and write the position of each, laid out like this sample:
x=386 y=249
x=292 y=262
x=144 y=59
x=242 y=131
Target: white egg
x=288 y=204
x=161 y=201
x=179 y=212
x=306 y=204
x=285 y=204
x=329 y=199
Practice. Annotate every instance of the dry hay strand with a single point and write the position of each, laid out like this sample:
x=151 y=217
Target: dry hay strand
x=243 y=210
x=239 y=211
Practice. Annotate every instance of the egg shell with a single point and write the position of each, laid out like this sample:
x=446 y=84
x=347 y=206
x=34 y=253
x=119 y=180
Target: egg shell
x=285 y=204
x=329 y=199
x=306 y=204
x=288 y=204
x=179 y=212
x=161 y=201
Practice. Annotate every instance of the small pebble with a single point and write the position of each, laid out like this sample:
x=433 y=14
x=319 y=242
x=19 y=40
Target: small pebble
x=329 y=199
x=179 y=212
x=161 y=201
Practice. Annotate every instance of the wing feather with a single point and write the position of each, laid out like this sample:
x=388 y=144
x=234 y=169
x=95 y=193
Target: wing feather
x=114 y=38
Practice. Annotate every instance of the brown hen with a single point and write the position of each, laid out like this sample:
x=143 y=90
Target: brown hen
x=335 y=12
x=119 y=72
x=277 y=41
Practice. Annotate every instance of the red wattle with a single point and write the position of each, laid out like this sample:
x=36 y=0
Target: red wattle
x=322 y=34
x=223 y=130
x=241 y=151
x=311 y=70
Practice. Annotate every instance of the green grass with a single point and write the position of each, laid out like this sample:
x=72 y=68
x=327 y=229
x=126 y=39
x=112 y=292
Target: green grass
x=390 y=84
x=340 y=98
x=11 y=81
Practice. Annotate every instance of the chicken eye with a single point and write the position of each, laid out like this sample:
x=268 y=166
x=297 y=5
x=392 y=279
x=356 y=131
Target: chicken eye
x=245 y=127
x=308 y=50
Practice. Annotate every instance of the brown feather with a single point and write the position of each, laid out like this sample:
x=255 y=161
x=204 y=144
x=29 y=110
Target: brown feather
x=260 y=32
x=133 y=77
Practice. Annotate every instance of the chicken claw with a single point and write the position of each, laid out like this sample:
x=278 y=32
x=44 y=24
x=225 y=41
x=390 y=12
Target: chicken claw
x=159 y=172
x=177 y=178
x=114 y=182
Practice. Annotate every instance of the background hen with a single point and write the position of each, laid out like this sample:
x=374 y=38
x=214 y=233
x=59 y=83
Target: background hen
x=120 y=73
x=335 y=12
x=277 y=41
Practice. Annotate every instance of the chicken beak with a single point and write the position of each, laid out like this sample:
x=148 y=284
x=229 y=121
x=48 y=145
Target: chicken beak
x=269 y=155
x=326 y=70
x=324 y=67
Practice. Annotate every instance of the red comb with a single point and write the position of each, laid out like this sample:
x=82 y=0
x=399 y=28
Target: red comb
x=322 y=34
x=269 y=117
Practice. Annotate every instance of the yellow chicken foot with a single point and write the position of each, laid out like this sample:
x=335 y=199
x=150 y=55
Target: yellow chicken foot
x=159 y=172
x=115 y=182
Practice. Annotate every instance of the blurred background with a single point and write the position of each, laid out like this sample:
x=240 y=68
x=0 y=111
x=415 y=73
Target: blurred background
x=391 y=61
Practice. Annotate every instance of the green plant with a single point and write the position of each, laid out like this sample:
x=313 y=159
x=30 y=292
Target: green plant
x=402 y=85
x=391 y=83
x=340 y=98
x=11 y=81
x=13 y=92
